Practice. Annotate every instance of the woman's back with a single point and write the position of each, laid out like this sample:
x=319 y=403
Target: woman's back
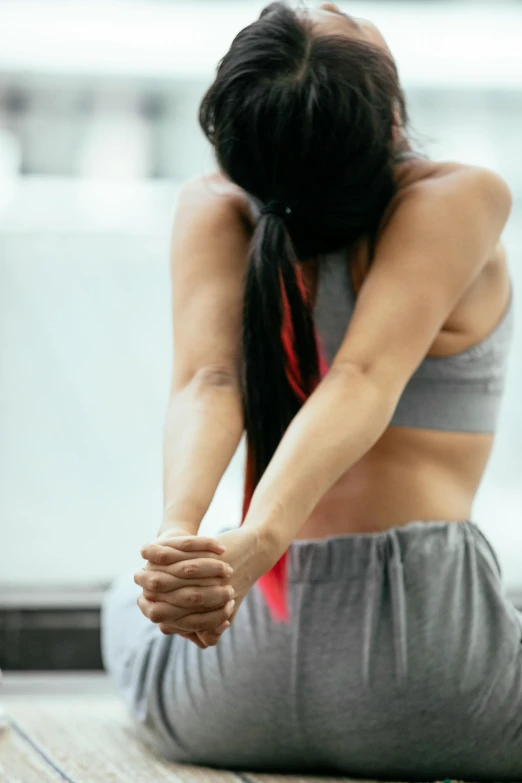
x=415 y=470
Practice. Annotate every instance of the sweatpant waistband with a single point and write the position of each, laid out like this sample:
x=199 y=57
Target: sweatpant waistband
x=350 y=555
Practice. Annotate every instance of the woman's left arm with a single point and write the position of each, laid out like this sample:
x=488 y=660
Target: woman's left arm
x=204 y=422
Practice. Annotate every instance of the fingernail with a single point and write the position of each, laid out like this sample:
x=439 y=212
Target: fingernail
x=230 y=606
x=230 y=570
x=223 y=627
x=221 y=548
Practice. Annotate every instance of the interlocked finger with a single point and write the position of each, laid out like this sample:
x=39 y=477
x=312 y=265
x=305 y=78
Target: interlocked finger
x=191 y=543
x=194 y=568
x=176 y=619
x=163 y=554
x=207 y=621
x=194 y=599
x=200 y=568
x=157 y=580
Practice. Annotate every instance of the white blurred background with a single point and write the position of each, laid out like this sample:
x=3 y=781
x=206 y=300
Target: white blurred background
x=98 y=127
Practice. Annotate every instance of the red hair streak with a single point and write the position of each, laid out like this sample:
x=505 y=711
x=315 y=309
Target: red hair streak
x=273 y=584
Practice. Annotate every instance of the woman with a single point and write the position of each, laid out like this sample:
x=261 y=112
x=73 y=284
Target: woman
x=347 y=302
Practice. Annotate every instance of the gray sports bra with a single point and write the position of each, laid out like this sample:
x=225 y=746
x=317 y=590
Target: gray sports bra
x=461 y=392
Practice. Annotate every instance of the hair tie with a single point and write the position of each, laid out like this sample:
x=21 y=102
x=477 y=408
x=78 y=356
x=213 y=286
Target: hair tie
x=275 y=207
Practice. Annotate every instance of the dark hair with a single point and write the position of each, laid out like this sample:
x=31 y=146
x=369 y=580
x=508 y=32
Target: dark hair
x=304 y=119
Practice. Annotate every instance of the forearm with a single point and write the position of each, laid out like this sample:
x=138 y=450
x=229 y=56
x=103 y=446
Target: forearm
x=338 y=424
x=203 y=428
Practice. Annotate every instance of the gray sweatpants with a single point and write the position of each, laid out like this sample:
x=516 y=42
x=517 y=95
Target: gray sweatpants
x=403 y=661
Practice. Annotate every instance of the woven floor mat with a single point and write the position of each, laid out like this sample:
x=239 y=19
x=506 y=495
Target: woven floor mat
x=89 y=739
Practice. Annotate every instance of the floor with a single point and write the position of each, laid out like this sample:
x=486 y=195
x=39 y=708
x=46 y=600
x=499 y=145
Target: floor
x=71 y=727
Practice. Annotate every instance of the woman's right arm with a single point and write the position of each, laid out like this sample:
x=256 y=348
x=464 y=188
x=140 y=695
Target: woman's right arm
x=204 y=422
x=203 y=429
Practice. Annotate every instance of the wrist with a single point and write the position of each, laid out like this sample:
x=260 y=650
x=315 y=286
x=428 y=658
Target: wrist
x=269 y=544
x=180 y=527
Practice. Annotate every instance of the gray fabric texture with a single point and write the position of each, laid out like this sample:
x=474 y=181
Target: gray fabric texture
x=402 y=661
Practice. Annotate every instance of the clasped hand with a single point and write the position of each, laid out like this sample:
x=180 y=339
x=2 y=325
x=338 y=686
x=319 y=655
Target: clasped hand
x=193 y=585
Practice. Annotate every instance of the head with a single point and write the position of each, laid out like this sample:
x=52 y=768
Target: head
x=305 y=110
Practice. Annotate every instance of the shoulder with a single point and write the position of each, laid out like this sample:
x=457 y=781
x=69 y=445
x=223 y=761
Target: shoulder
x=459 y=181
x=210 y=228
x=440 y=188
x=208 y=252
x=439 y=233
x=212 y=198
x=444 y=210
x=210 y=235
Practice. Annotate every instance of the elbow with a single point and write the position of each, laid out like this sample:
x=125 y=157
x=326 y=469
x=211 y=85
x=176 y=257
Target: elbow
x=215 y=385
x=207 y=376
x=215 y=376
x=344 y=368
x=216 y=388
x=378 y=398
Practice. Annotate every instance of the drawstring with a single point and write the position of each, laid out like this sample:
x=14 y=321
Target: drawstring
x=392 y=562
x=373 y=600
x=398 y=605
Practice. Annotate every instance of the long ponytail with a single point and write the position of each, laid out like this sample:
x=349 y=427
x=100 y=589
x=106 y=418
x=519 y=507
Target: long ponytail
x=281 y=364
